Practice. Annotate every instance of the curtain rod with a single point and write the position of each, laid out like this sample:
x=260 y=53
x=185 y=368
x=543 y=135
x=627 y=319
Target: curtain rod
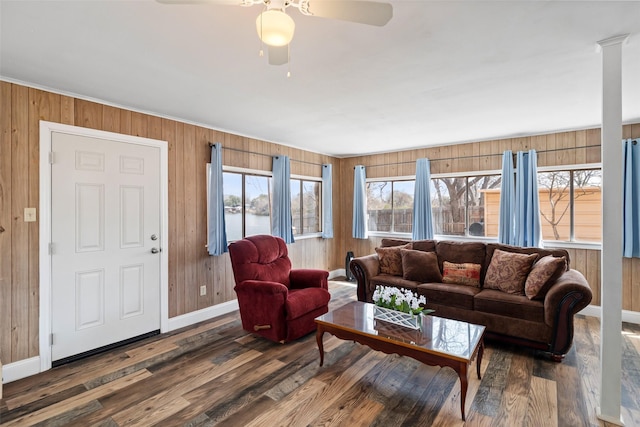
x=211 y=144
x=479 y=155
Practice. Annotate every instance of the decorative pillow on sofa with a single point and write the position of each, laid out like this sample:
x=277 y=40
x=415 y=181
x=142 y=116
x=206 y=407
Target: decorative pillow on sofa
x=461 y=274
x=391 y=260
x=420 y=266
x=508 y=271
x=542 y=276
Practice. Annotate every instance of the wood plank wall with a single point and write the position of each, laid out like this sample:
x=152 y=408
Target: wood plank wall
x=21 y=109
x=455 y=158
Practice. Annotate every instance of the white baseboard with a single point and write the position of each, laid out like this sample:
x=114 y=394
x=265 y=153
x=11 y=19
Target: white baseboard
x=337 y=273
x=20 y=369
x=202 y=315
x=596 y=311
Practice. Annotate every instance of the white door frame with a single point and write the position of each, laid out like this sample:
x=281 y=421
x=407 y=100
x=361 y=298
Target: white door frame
x=46 y=129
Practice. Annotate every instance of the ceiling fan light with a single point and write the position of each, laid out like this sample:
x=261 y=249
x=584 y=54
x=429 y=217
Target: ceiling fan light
x=275 y=28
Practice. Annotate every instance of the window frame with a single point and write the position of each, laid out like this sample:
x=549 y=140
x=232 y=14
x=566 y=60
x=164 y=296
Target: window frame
x=389 y=233
x=314 y=179
x=572 y=243
x=269 y=175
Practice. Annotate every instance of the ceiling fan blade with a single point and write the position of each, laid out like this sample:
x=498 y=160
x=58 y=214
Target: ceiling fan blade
x=363 y=12
x=278 y=55
x=219 y=2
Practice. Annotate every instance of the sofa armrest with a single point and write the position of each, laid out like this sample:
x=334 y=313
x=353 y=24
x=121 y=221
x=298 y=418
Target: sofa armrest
x=363 y=269
x=308 y=278
x=570 y=294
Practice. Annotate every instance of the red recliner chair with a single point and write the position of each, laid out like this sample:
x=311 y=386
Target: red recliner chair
x=275 y=301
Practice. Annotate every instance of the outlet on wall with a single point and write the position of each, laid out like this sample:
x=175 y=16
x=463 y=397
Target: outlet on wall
x=203 y=290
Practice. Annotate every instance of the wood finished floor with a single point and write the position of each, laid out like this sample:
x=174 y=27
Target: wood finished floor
x=214 y=373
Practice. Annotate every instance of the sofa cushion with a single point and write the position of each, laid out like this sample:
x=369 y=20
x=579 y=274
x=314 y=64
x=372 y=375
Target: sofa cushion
x=520 y=250
x=504 y=304
x=420 y=266
x=391 y=260
x=508 y=271
x=461 y=274
x=542 y=276
x=386 y=242
x=461 y=252
x=448 y=294
x=424 y=245
x=388 y=280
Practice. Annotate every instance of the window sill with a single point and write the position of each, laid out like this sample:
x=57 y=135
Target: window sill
x=595 y=246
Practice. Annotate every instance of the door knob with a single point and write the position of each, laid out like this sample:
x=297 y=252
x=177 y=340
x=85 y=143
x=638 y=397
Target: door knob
x=155 y=250
x=154 y=237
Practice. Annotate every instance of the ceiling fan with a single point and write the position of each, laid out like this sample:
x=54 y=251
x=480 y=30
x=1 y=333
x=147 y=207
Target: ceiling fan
x=275 y=27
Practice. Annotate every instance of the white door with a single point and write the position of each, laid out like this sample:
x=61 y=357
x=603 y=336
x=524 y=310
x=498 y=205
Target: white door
x=105 y=234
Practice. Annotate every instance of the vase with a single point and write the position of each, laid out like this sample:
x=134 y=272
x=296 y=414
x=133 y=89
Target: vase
x=408 y=320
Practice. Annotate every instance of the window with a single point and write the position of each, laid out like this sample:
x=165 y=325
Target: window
x=247 y=204
x=461 y=205
x=571 y=205
x=305 y=206
x=390 y=206
x=248 y=199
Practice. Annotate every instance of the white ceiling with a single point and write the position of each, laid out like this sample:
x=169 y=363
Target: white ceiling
x=437 y=73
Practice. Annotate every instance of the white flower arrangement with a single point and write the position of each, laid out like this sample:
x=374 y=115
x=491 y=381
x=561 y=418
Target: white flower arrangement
x=402 y=300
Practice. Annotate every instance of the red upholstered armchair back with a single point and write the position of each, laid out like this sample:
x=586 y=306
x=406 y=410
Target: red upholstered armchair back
x=261 y=257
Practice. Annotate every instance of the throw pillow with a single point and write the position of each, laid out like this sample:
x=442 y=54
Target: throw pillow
x=461 y=274
x=420 y=266
x=391 y=259
x=508 y=271
x=544 y=274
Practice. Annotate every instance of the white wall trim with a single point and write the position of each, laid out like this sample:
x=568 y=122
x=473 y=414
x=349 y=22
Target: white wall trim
x=596 y=311
x=194 y=317
x=46 y=129
x=20 y=369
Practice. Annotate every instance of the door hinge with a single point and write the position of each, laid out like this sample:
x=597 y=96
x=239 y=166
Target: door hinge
x=50 y=248
x=51 y=157
x=50 y=339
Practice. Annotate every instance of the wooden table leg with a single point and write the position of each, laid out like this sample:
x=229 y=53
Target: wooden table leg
x=319 y=334
x=464 y=384
x=479 y=358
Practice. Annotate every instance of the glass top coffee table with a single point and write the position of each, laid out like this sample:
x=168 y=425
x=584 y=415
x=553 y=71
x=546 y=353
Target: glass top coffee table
x=438 y=341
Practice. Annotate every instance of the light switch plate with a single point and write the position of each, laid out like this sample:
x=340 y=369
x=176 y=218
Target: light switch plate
x=29 y=214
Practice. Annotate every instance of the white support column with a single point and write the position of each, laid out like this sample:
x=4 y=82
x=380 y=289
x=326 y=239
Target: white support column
x=611 y=255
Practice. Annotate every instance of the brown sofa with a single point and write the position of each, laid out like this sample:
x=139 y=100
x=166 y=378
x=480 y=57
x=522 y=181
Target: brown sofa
x=473 y=289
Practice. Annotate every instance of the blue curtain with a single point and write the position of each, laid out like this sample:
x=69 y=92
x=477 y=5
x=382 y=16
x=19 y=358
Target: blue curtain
x=506 y=231
x=281 y=213
x=631 y=203
x=327 y=201
x=359 y=203
x=217 y=239
x=527 y=209
x=422 y=216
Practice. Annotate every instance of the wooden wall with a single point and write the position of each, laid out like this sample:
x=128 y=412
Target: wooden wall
x=21 y=109
x=555 y=149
